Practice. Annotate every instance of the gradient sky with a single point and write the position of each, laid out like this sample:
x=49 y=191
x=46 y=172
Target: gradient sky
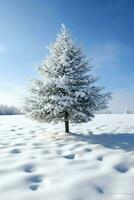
x=104 y=28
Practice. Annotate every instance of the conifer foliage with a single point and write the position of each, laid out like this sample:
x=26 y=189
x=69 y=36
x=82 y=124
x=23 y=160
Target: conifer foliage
x=66 y=91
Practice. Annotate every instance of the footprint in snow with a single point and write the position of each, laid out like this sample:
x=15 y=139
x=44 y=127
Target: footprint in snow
x=28 y=168
x=69 y=156
x=99 y=190
x=33 y=187
x=15 y=151
x=121 y=168
x=87 y=150
x=12 y=130
x=34 y=182
x=35 y=179
x=100 y=158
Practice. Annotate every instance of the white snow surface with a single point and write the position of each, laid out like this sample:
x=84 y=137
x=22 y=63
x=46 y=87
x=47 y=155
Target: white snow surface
x=94 y=162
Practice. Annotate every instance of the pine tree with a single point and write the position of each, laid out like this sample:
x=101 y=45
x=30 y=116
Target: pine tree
x=67 y=90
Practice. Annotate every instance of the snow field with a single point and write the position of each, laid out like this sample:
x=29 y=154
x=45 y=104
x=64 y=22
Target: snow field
x=40 y=161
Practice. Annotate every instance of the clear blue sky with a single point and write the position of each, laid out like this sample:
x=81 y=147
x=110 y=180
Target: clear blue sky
x=104 y=28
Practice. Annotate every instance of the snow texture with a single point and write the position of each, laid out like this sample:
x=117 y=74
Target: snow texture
x=39 y=161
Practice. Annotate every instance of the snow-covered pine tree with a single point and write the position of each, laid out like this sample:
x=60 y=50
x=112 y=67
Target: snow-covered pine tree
x=66 y=91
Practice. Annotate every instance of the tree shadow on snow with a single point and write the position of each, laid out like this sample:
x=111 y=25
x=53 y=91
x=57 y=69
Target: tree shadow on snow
x=124 y=141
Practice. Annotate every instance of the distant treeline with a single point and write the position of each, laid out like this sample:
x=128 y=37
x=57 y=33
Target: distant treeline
x=9 y=110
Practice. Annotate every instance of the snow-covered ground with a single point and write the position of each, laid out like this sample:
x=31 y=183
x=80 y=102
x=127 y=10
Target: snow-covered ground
x=40 y=162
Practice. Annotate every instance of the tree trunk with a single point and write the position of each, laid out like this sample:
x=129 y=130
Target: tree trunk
x=66 y=122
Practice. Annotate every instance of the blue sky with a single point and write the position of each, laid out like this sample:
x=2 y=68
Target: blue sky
x=105 y=30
